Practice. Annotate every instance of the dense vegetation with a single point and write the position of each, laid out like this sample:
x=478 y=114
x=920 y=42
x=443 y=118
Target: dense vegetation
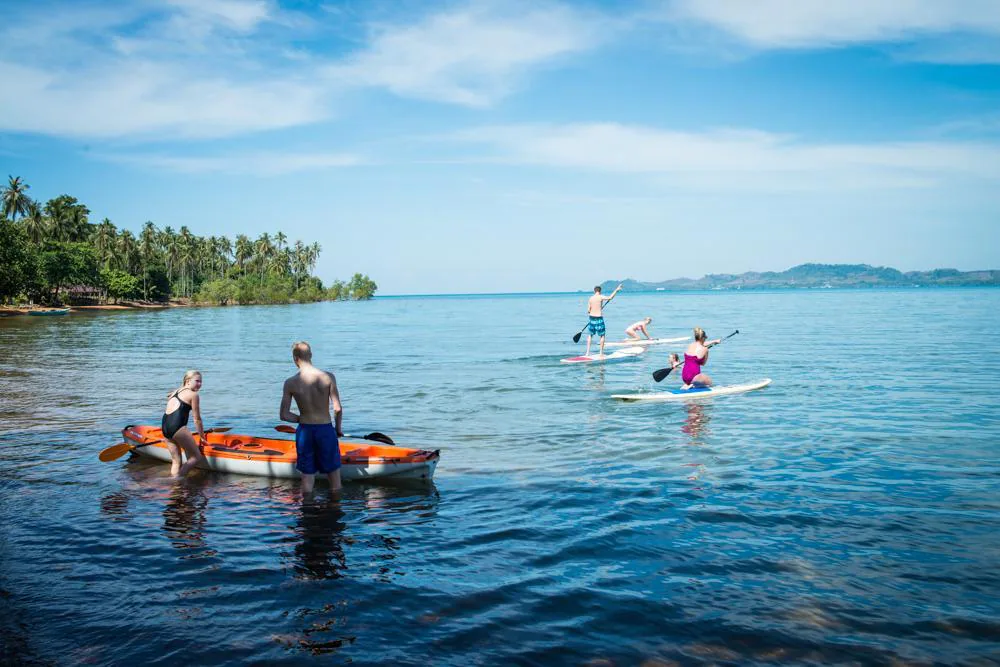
x=52 y=252
x=821 y=275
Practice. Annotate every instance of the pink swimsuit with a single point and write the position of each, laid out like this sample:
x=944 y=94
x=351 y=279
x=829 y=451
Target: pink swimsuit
x=692 y=366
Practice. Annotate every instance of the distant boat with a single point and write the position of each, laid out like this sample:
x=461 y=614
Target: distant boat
x=49 y=311
x=660 y=289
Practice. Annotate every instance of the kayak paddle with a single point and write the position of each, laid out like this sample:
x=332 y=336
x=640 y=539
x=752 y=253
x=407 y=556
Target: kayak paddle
x=664 y=372
x=576 y=338
x=374 y=435
x=117 y=451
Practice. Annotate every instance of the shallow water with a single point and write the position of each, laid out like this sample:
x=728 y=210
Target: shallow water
x=850 y=512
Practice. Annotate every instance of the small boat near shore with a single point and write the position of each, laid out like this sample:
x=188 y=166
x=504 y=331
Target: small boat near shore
x=276 y=457
x=49 y=311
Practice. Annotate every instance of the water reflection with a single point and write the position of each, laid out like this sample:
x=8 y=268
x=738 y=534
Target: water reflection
x=696 y=423
x=184 y=517
x=319 y=549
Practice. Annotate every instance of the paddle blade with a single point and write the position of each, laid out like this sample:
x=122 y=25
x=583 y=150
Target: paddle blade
x=284 y=428
x=379 y=437
x=662 y=373
x=219 y=430
x=576 y=338
x=115 y=451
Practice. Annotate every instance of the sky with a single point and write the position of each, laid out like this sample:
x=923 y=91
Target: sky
x=455 y=147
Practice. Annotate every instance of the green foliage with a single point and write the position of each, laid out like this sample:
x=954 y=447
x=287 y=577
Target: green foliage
x=220 y=292
x=361 y=287
x=18 y=261
x=69 y=264
x=120 y=285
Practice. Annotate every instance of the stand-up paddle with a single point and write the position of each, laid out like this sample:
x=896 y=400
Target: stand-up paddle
x=122 y=448
x=576 y=338
x=664 y=372
x=374 y=435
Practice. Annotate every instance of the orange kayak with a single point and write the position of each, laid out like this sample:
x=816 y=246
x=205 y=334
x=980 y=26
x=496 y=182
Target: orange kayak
x=275 y=457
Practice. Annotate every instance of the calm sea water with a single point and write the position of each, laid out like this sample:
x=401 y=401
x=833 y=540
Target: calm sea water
x=849 y=513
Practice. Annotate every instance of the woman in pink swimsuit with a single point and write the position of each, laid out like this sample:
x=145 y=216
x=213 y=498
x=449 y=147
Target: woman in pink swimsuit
x=695 y=357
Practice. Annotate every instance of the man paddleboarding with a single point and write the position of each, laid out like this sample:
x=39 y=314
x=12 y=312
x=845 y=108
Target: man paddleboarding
x=633 y=330
x=595 y=309
x=316 y=444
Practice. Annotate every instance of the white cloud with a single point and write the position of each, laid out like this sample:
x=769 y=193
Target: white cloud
x=817 y=23
x=239 y=15
x=472 y=56
x=257 y=163
x=727 y=159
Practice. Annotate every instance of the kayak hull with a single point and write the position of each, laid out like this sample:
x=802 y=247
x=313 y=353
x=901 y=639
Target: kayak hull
x=619 y=355
x=693 y=393
x=645 y=343
x=276 y=457
x=49 y=312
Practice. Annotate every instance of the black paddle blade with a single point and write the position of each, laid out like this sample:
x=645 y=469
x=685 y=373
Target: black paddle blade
x=576 y=337
x=662 y=373
x=379 y=437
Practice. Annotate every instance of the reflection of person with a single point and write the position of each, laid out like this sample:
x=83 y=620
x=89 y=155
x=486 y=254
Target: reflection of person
x=695 y=357
x=595 y=310
x=316 y=442
x=319 y=553
x=696 y=422
x=184 y=516
x=181 y=403
x=632 y=331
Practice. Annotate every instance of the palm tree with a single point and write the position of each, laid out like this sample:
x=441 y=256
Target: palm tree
x=147 y=251
x=15 y=199
x=225 y=252
x=244 y=250
x=127 y=251
x=104 y=241
x=263 y=249
x=35 y=224
x=279 y=240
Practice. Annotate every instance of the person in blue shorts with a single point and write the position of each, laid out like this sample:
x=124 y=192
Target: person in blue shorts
x=595 y=309
x=316 y=443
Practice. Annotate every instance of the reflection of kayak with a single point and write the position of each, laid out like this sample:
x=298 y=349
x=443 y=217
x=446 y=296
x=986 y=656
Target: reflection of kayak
x=619 y=355
x=275 y=457
x=695 y=392
x=651 y=341
x=49 y=311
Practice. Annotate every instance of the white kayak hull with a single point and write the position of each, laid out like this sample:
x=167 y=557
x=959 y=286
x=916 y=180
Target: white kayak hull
x=618 y=355
x=644 y=342
x=693 y=393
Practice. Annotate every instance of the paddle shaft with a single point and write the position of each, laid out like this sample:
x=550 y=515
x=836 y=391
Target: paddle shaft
x=660 y=374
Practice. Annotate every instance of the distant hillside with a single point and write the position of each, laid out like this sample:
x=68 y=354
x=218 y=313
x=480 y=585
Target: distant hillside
x=819 y=276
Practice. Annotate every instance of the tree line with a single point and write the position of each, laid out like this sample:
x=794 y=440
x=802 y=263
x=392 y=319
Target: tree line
x=47 y=248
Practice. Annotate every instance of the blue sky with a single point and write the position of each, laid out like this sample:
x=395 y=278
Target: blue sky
x=509 y=146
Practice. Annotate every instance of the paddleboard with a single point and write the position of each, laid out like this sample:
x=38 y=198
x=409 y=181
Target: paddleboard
x=695 y=392
x=618 y=355
x=644 y=342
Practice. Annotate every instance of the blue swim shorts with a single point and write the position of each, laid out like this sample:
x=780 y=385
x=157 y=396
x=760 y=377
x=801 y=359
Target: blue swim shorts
x=596 y=326
x=317 y=449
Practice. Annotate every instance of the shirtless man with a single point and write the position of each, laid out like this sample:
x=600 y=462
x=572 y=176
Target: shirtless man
x=315 y=437
x=595 y=309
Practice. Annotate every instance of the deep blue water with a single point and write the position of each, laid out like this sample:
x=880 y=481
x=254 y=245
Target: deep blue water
x=848 y=513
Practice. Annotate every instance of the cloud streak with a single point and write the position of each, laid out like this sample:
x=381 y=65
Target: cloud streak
x=729 y=158
x=256 y=163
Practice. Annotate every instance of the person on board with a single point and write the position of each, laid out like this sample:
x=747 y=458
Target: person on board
x=695 y=357
x=633 y=330
x=595 y=310
x=316 y=443
x=181 y=404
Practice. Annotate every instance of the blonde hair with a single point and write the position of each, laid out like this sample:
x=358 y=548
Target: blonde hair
x=187 y=376
x=302 y=351
x=699 y=334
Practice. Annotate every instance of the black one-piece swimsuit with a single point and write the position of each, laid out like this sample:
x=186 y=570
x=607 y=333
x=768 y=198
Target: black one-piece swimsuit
x=176 y=420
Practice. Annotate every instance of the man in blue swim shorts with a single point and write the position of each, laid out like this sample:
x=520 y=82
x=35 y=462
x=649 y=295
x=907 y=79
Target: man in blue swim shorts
x=595 y=309
x=316 y=441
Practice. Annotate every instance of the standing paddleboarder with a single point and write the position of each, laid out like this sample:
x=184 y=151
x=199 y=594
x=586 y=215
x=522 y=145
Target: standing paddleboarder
x=595 y=309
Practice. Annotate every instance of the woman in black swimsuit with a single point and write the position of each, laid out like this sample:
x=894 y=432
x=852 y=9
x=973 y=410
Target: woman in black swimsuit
x=180 y=404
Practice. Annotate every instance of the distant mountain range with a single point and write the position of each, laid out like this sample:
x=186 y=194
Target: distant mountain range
x=818 y=276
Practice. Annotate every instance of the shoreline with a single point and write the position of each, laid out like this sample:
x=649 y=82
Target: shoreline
x=13 y=311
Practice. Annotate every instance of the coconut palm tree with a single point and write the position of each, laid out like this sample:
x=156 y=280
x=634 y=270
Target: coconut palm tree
x=104 y=241
x=244 y=251
x=147 y=251
x=35 y=224
x=15 y=198
x=128 y=251
x=280 y=240
x=262 y=252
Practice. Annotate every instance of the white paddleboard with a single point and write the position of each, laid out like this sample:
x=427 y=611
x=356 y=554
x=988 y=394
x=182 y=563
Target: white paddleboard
x=695 y=392
x=618 y=355
x=644 y=342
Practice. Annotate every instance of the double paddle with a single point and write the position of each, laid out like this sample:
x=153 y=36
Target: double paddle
x=374 y=435
x=122 y=448
x=664 y=372
x=576 y=338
